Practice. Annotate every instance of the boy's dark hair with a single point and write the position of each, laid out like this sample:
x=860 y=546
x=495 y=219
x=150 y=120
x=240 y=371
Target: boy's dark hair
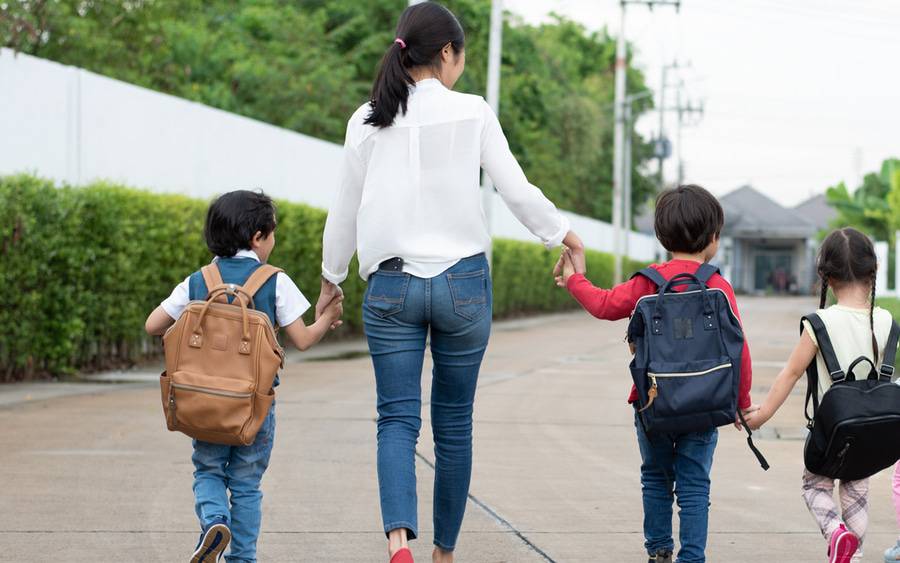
x=234 y=218
x=848 y=256
x=688 y=218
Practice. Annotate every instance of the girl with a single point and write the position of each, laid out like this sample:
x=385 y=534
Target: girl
x=847 y=264
x=893 y=553
x=409 y=205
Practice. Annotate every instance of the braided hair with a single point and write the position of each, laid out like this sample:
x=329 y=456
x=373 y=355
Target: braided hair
x=848 y=256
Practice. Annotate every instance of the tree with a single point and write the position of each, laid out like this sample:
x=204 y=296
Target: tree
x=874 y=207
x=307 y=65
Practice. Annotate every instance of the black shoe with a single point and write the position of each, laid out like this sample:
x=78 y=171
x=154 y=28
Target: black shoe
x=663 y=556
x=213 y=541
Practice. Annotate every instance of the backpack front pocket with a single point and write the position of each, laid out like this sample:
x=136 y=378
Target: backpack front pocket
x=216 y=405
x=691 y=387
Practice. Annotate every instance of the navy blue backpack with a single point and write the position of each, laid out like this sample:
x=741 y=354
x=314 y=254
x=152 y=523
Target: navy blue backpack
x=687 y=356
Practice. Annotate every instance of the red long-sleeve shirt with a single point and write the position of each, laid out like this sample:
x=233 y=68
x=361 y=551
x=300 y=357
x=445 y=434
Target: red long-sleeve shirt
x=619 y=302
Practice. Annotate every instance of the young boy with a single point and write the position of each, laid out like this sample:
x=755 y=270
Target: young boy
x=688 y=223
x=240 y=232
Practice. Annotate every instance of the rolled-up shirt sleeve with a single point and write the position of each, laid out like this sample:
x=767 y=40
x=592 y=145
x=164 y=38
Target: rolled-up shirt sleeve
x=527 y=202
x=339 y=238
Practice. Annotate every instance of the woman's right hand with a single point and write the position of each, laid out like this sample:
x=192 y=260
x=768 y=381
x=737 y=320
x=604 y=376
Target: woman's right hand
x=326 y=295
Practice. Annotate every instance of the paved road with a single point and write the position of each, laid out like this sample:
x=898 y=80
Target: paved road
x=95 y=477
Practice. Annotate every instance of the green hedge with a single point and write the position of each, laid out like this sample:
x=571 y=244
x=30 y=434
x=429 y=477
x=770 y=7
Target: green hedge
x=82 y=267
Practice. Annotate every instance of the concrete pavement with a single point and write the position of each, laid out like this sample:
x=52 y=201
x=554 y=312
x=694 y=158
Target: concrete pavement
x=95 y=477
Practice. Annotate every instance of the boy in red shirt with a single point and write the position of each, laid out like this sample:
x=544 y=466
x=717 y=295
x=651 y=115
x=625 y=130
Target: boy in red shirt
x=688 y=223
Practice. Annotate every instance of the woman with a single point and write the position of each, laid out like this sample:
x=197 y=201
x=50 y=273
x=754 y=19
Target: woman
x=409 y=205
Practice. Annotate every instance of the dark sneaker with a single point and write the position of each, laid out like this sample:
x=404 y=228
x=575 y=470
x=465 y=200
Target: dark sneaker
x=664 y=556
x=213 y=541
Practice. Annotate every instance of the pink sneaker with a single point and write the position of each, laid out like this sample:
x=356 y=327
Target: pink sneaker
x=843 y=545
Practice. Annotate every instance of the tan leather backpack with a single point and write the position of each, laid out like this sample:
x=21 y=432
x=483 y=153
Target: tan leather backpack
x=221 y=362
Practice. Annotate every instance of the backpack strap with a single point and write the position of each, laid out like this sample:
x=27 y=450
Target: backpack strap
x=825 y=348
x=812 y=388
x=763 y=462
x=259 y=277
x=653 y=275
x=706 y=271
x=213 y=278
x=890 y=352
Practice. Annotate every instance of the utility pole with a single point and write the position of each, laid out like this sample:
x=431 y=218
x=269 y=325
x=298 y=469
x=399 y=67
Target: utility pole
x=619 y=139
x=689 y=109
x=662 y=141
x=495 y=47
x=629 y=127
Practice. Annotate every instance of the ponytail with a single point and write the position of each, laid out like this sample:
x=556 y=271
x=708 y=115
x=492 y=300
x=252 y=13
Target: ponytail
x=872 y=324
x=422 y=33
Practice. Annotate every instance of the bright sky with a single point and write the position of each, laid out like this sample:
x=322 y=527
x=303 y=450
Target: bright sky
x=799 y=94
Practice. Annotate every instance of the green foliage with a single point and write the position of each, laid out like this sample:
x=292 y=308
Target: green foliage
x=874 y=207
x=308 y=65
x=83 y=267
x=891 y=304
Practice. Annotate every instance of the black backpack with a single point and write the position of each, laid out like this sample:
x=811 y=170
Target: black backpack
x=688 y=347
x=853 y=432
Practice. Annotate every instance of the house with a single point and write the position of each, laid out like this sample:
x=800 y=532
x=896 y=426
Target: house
x=766 y=247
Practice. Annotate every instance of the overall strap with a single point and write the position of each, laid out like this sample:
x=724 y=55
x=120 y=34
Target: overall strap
x=259 y=277
x=890 y=351
x=213 y=278
x=652 y=275
x=706 y=271
x=825 y=348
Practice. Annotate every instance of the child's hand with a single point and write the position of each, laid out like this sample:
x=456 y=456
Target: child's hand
x=754 y=418
x=334 y=311
x=570 y=262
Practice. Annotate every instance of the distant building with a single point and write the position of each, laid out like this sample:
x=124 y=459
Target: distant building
x=766 y=247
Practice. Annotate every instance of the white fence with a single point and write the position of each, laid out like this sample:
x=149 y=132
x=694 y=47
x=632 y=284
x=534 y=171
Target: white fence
x=75 y=126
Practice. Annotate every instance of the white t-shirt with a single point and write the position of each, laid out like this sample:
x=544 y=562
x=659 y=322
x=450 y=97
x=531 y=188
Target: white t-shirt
x=851 y=337
x=413 y=190
x=290 y=303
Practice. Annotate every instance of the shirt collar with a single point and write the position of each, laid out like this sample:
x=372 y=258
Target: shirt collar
x=243 y=253
x=428 y=83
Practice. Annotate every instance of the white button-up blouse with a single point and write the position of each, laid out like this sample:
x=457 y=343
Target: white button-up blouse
x=412 y=190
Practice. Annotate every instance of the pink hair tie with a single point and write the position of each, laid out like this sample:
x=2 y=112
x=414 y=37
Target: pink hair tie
x=401 y=42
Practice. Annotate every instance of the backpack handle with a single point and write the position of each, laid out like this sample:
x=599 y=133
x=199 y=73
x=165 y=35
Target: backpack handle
x=708 y=315
x=873 y=373
x=196 y=339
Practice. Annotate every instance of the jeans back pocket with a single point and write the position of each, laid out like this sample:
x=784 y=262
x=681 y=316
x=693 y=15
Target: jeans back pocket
x=386 y=292
x=468 y=290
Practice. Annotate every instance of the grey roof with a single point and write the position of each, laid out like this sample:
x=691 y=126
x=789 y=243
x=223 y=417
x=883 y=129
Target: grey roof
x=817 y=211
x=749 y=213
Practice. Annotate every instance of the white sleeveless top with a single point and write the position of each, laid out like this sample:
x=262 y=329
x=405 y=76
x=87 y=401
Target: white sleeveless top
x=851 y=337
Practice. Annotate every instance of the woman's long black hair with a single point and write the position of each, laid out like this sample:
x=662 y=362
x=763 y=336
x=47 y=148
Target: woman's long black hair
x=848 y=256
x=422 y=32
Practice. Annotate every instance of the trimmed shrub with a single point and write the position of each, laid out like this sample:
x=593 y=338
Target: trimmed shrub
x=83 y=267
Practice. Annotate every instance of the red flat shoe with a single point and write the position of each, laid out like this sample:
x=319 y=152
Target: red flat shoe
x=403 y=555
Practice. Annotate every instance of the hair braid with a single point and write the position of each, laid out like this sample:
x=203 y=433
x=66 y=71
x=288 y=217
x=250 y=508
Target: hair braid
x=824 y=293
x=872 y=323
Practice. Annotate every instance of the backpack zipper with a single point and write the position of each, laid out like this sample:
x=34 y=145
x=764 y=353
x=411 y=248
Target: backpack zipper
x=654 y=387
x=230 y=394
x=653 y=376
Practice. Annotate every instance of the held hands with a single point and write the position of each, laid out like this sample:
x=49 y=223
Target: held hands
x=757 y=418
x=570 y=262
x=752 y=416
x=330 y=303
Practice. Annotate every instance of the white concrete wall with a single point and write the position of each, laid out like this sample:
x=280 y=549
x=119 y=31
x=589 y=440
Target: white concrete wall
x=75 y=126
